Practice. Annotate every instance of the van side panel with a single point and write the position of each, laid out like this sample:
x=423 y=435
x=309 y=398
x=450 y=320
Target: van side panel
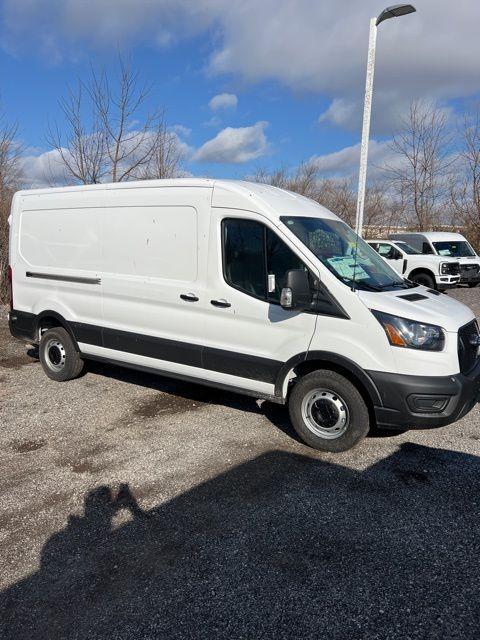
x=56 y=254
x=154 y=276
x=158 y=242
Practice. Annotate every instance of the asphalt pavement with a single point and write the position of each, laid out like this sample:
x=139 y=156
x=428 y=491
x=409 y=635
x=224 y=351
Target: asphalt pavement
x=132 y=506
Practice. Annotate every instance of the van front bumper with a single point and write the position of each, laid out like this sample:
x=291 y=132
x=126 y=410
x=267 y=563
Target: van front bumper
x=421 y=402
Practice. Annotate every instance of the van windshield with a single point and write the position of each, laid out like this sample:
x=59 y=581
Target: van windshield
x=335 y=245
x=459 y=249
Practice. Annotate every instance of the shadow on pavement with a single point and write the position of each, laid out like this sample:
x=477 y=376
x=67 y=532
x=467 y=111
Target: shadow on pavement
x=284 y=546
x=276 y=413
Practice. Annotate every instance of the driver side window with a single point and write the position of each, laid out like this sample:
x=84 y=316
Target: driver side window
x=244 y=256
x=251 y=253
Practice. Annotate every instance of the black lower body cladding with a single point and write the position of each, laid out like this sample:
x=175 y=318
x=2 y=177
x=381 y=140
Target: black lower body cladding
x=421 y=402
x=399 y=401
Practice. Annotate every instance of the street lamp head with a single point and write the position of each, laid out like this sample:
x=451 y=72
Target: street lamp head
x=394 y=12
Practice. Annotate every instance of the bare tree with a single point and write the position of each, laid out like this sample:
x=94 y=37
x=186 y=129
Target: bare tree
x=338 y=195
x=10 y=175
x=83 y=152
x=465 y=191
x=304 y=180
x=334 y=193
x=166 y=159
x=114 y=141
x=419 y=174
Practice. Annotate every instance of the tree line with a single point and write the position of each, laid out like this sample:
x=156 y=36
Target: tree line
x=429 y=181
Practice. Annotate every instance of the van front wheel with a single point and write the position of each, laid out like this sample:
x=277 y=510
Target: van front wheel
x=59 y=358
x=328 y=412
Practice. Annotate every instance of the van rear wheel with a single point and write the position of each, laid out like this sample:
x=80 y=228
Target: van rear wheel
x=328 y=412
x=60 y=360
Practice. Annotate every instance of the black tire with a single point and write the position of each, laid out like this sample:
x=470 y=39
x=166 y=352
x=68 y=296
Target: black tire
x=425 y=280
x=472 y=284
x=329 y=394
x=58 y=355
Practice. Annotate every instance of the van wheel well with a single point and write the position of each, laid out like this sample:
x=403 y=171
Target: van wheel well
x=307 y=366
x=48 y=321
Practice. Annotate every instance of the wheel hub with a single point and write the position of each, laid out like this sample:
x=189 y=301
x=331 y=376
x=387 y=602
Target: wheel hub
x=325 y=413
x=55 y=355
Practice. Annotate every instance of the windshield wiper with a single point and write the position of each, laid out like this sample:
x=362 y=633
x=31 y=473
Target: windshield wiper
x=394 y=284
x=358 y=284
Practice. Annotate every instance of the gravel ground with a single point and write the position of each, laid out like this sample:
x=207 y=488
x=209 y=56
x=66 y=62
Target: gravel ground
x=137 y=507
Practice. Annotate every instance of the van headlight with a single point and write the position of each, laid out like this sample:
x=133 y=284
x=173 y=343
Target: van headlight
x=411 y=334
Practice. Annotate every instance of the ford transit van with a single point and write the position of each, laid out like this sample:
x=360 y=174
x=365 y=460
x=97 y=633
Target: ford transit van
x=243 y=287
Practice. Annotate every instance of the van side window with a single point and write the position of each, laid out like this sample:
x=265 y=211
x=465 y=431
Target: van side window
x=426 y=248
x=244 y=258
x=251 y=252
x=280 y=259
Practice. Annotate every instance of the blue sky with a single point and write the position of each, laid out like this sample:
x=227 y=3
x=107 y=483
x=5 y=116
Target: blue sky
x=295 y=69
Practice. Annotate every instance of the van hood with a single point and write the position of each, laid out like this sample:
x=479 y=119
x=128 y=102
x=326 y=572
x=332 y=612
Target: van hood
x=431 y=308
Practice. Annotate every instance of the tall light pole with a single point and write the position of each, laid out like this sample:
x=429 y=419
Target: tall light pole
x=390 y=12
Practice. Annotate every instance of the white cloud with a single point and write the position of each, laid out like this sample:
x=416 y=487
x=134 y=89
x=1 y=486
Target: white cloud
x=344 y=163
x=42 y=169
x=214 y=121
x=340 y=112
x=305 y=45
x=181 y=130
x=46 y=168
x=223 y=101
x=313 y=45
x=235 y=145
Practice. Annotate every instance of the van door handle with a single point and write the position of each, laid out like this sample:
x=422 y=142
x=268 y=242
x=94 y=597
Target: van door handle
x=220 y=303
x=189 y=297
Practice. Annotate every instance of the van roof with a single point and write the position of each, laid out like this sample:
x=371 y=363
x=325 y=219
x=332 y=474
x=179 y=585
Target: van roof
x=239 y=194
x=433 y=236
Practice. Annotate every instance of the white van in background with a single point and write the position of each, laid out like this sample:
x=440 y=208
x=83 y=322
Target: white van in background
x=446 y=245
x=428 y=270
x=244 y=287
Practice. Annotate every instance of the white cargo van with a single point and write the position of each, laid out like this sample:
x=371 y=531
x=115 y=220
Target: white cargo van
x=446 y=245
x=244 y=287
x=428 y=270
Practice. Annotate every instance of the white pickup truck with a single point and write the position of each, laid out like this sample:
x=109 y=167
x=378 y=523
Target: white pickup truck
x=446 y=244
x=433 y=271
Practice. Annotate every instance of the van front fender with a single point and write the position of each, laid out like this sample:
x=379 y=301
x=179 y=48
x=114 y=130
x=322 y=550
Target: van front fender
x=326 y=359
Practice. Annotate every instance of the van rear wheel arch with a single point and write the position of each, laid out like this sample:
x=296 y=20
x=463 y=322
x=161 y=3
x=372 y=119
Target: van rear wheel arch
x=49 y=320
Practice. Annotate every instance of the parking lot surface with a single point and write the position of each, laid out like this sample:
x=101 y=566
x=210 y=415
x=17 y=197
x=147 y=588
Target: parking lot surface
x=133 y=506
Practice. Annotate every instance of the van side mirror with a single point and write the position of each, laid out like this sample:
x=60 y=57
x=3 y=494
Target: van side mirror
x=296 y=293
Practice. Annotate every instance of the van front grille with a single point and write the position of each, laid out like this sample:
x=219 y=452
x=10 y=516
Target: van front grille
x=467 y=347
